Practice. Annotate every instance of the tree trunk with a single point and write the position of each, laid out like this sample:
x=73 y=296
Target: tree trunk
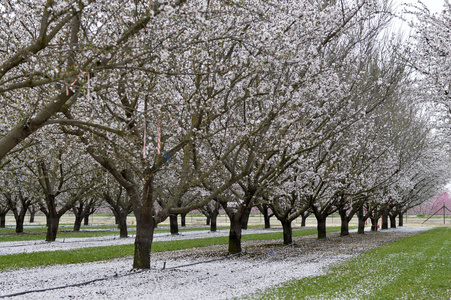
x=145 y=223
x=344 y=230
x=143 y=244
x=392 y=221
x=214 y=221
x=2 y=220
x=287 y=232
x=208 y=220
x=401 y=219
x=321 y=227
x=385 y=219
x=77 y=224
x=123 y=230
x=52 y=229
x=303 y=219
x=235 y=235
x=361 y=223
x=183 y=220
x=245 y=218
x=86 y=220
x=19 y=224
x=32 y=211
x=173 y=224
x=374 y=224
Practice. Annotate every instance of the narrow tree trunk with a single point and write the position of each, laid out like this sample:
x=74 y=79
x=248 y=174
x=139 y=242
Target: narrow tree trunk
x=385 y=219
x=374 y=224
x=77 y=224
x=321 y=227
x=173 y=224
x=3 y=220
x=401 y=219
x=123 y=230
x=207 y=222
x=344 y=230
x=214 y=221
x=86 y=220
x=183 y=220
x=361 y=222
x=32 y=215
x=245 y=218
x=392 y=221
x=235 y=235
x=287 y=232
x=303 y=219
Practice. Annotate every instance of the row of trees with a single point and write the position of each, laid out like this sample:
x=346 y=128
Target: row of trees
x=296 y=106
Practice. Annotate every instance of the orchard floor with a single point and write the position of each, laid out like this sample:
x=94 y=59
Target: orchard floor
x=200 y=273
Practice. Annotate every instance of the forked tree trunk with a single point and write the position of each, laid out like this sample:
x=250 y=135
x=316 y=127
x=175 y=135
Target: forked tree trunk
x=287 y=232
x=235 y=235
x=173 y=224
x=401 y=219
x=321 y=226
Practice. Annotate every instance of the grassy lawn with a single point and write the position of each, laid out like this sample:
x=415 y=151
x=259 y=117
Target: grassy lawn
x=417 y=267
x=29 y=260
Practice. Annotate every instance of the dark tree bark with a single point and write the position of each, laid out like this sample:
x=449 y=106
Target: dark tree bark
x=32 y=210
x=287 y=232
x=207 y=222
x=321 y=226
x=183 y=220
x=344 y=230
x=264 y=209
x=392 y=221
x=374 y=222
x=304 y=217
x=19 y=208
x=86 y=220
x=214 y=221
x=245 y=218
x=3 y=219
x=401 y=219
x=385 y=219
x=173 y=224
x=235 y=235
x=121 y=207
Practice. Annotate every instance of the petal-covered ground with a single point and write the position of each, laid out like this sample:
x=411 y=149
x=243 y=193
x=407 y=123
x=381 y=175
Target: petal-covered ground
x=201 y=273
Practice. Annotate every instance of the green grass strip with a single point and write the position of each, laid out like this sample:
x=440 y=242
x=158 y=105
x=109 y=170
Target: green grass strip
x=82 y=255
x=416 y=267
